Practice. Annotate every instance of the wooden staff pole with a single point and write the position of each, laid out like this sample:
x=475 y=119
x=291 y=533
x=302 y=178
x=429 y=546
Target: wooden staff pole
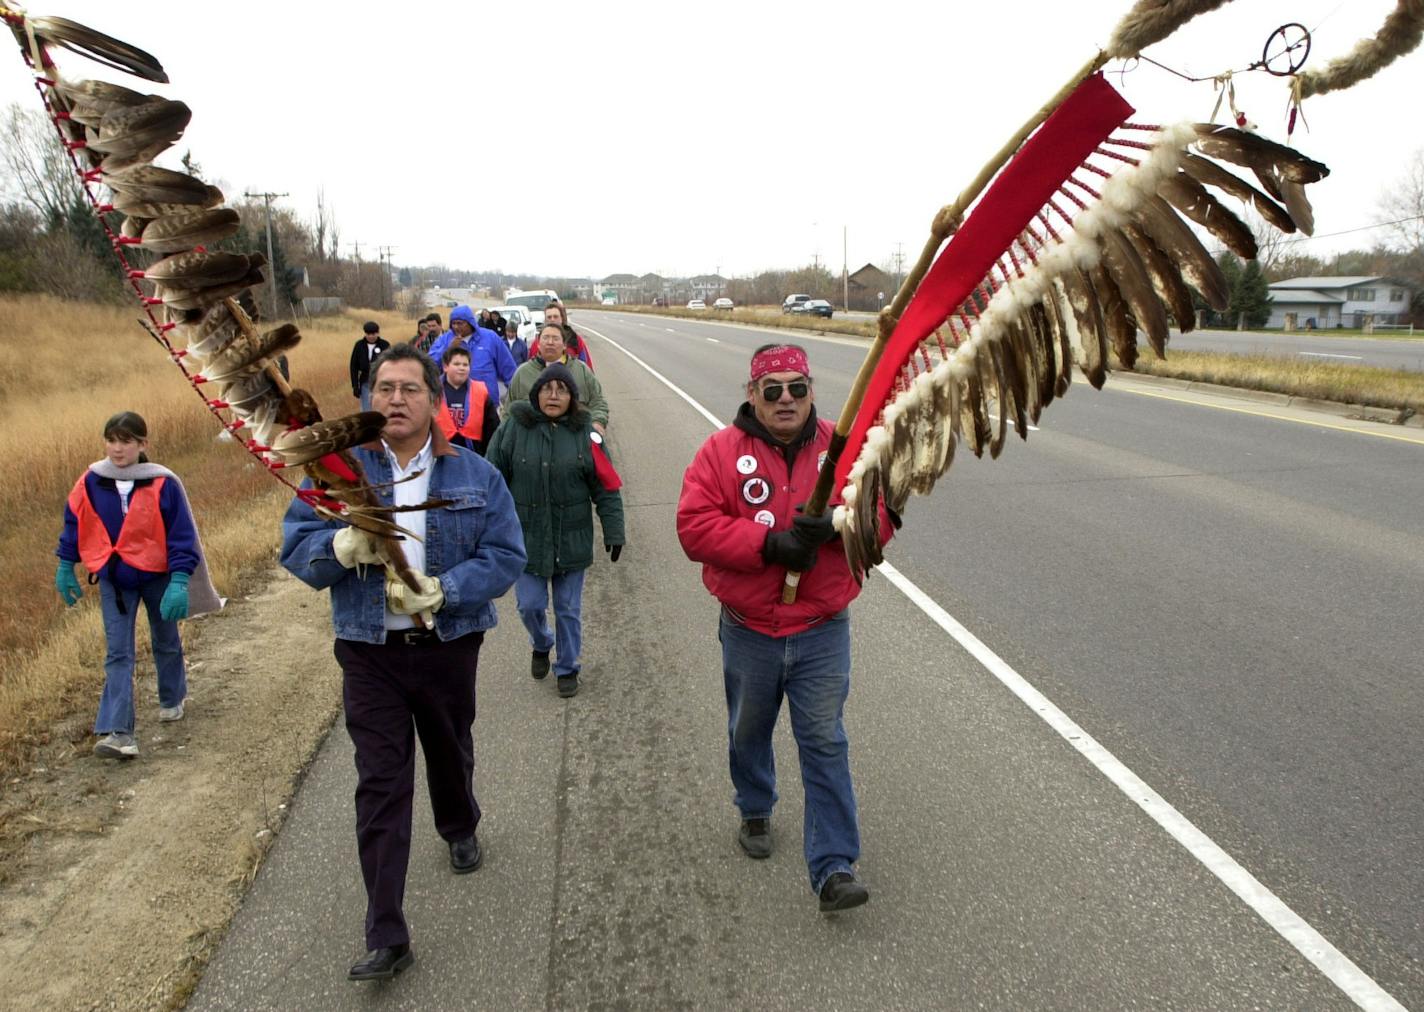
x=944 y=226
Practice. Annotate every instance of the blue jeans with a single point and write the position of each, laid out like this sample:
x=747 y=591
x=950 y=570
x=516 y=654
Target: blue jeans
x=531 y=596
x=365 y=397
x=812 y=670
x=116 y=705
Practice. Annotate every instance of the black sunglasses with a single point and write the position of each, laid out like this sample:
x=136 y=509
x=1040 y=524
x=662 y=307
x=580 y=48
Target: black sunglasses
x=772 y=391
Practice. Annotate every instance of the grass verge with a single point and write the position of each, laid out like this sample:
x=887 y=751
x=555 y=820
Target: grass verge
x=67 y=367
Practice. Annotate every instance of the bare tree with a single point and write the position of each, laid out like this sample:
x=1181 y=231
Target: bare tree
x=37 y=170
x=321 y=226
x=1402 y=205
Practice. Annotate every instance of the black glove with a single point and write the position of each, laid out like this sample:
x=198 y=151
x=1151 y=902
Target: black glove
x=813 y=530
x=786 y=548
x=613 y=552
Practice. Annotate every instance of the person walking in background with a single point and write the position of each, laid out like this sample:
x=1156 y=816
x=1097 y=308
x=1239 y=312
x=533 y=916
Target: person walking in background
x=555 y=312
x=401 y=681
x=518 y=347
x=363 y=354
x=551 y=349
x=128 y=520
x=467 y=417
x=739 y=515
x=490 y=362
x=553 y=461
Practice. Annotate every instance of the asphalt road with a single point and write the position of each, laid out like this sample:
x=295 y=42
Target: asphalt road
x=1399 y=352
x=1391 y=353
x=1223 y=594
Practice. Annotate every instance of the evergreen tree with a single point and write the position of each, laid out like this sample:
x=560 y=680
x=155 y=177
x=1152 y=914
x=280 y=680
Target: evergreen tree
x=1251 y=297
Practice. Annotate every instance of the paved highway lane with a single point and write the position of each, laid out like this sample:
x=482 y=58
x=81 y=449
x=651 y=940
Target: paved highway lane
x=1229 y=600
x=1006 y=871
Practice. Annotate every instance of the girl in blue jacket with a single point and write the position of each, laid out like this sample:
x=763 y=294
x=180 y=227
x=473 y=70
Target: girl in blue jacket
x=128 y=521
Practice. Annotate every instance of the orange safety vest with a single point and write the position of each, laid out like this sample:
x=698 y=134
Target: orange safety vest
x=474 y=427
x=143 y=540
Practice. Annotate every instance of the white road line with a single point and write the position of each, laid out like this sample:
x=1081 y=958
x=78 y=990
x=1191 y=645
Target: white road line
x=1031 y=428
x=1358 y=986
x=1326 y=354
x=670 y=330
x=713 y=340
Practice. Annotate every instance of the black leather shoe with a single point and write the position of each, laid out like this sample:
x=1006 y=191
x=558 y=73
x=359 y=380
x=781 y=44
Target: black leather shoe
x=382 y=964
x=539 y=663
x=841 y=892
x=568 y=685
x=466 y=855
x=755 y=837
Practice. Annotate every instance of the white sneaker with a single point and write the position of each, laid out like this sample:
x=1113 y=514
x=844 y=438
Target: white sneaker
x=117 y=746
x=170 y=713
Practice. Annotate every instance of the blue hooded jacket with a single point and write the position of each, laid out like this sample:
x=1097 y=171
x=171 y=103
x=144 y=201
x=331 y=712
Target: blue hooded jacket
x=490 y=360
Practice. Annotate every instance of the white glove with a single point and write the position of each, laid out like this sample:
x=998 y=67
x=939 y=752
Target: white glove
x=404 y=601
x=354 y=547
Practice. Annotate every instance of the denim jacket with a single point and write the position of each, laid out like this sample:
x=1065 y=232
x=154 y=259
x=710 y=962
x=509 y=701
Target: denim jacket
x=474 y=545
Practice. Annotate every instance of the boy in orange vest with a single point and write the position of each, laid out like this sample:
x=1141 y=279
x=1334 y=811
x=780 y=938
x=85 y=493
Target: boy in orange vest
x=128 y=521
x=467 y=415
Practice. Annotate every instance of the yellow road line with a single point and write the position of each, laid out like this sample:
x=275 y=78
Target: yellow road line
x=1270 y=414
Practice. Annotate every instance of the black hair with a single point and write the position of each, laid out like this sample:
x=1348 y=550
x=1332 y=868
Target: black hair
x=406 y=352
x=127 y=427
x=436 y=318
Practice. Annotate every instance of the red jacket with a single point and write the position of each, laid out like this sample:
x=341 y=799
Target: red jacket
x=736 y=489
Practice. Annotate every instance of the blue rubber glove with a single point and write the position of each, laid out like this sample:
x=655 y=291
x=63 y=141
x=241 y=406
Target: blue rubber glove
x=175 y=599
x=66 y=583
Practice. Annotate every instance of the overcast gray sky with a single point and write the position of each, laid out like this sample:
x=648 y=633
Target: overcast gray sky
x=587 y=139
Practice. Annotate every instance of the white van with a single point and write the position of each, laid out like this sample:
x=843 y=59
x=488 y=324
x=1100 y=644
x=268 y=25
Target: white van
x=523 y=317
x=533 y=301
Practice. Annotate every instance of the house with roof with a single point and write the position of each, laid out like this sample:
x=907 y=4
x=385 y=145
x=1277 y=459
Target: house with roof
x=869 y=288
x=623 y=287
x=1330 y=302
x=707 y=286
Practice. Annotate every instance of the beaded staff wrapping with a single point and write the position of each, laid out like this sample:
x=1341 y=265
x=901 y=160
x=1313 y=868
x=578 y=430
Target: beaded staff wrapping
x=194 y=294
x=1077 y=245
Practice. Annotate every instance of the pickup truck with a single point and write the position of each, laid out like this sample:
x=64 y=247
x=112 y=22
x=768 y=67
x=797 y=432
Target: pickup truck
x=789 y=304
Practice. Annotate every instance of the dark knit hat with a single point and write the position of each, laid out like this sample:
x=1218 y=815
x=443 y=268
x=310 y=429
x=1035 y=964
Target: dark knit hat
x=371 y=327
x=555 y=371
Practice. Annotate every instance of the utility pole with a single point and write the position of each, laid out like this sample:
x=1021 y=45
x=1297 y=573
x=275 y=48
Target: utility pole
x=899 y=262
x=845 y=273
x=271 y=261
x=386 y=252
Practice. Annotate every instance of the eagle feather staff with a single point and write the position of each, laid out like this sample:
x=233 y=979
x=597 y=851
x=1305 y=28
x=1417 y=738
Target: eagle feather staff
x=196 y=294
x=1078 y=242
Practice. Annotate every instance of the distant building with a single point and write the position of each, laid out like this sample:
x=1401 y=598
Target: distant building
x=625 y=288
x=1327 y=303
x=707 y=286
x=866 y=286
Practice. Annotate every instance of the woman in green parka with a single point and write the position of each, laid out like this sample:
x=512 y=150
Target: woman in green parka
x=551 y=459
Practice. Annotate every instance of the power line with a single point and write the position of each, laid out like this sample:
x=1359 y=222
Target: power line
x=1348 y=231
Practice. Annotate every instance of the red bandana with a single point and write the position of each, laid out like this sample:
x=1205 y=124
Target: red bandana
x=780 y=358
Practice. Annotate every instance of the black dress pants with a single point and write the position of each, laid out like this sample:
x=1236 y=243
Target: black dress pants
x=393 y=692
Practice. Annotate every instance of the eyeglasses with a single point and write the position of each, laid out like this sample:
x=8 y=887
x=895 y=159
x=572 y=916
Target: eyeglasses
x=409 y=391
x=773 y=391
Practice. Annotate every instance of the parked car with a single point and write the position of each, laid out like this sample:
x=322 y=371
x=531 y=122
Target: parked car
x=792 y=303
x=659 y=301
x=697 y=304
x=609 y=300
x=723 y=303
x=523 y=316
x=817 y=307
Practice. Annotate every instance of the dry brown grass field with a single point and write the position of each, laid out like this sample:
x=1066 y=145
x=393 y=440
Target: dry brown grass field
x=65 y=368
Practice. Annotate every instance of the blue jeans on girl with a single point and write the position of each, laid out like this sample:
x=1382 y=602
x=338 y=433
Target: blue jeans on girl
x=116 y=705
x=811 y=670
x=531 y=596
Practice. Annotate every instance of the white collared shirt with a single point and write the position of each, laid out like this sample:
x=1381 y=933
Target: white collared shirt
x=411 y=493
